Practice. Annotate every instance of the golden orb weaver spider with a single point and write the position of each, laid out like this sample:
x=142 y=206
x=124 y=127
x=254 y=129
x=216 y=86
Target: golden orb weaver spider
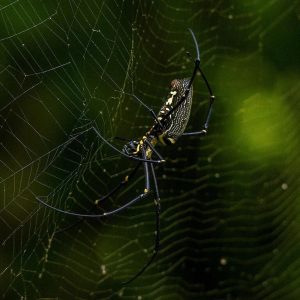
x=169 y=124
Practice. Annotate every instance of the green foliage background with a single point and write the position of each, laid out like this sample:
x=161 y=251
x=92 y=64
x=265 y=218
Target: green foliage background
x=230 y=201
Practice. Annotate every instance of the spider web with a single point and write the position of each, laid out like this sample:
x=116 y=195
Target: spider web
x=230 y=215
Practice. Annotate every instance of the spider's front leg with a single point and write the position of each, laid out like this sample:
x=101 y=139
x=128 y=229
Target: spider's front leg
x=123 y=183
x=204 y=129
x=142 y=195
x=43 y=200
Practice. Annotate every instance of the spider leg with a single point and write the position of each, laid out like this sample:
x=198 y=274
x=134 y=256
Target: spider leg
x=150 y=110
x=212 y=97
x=157 y=229
x=206 y=123
x=154 y=150
x=86 y=215
x=112 y=192
x=120 y=185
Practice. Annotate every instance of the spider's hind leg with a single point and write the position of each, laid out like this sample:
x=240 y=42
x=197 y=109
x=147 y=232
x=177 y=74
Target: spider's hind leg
x=204 y=129
x=157 y=229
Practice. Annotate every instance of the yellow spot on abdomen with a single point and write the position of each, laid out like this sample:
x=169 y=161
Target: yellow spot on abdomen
x=170 y=100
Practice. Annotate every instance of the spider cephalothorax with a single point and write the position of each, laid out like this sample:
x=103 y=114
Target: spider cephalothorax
x=131 y=148
x=168 y=125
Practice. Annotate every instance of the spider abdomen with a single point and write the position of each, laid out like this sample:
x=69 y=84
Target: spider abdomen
x=175 y=124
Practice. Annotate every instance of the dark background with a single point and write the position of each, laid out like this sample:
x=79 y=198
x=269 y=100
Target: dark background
x=230 y=200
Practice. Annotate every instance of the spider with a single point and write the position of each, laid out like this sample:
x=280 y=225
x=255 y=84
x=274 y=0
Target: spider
x=168 y=125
